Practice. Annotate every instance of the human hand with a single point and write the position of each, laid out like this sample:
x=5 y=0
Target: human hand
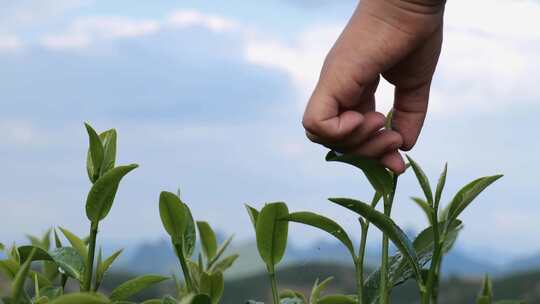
x=399 y=40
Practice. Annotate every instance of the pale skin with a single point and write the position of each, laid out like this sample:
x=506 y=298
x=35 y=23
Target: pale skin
x=399 y=40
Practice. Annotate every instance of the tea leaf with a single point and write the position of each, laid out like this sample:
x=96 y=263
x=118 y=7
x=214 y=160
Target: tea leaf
x=441 y=183
x=212 y=285
x=17 y=285
x=173 y=215
x=221 y=250
x=108 y=139
x=486 y=295
x=76 y=242
x=37 y=253
x=386 y=225
x=317 y=289
x=70 y=261
x=338 y=299
x=467 y=194
x=422 y=179
x=325 y=224
x=81 y=298
x=104 y=266
x=377 y=175
x=101 y=195
x=9 y=267
x=292 y=297
x=134 y=286
x=50 y=292
x=190 y=236
x=208 y=240
x=272 y=233
x=225 y=264
x=95 y=154
x=253 y=215
x=426 y=207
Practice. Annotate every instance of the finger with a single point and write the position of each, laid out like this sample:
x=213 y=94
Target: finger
x=410 y=107
x=393 y=161
x=381 y=143
x=366 y=102
x=373 y=122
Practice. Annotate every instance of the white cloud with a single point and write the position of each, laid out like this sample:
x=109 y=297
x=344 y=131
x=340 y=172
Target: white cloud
x=10 y=43
x=489 y=60
x=86 y=30
x=191 y=18
x=20 y=133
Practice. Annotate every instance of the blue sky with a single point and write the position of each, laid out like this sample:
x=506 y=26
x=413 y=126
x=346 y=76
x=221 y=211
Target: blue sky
x=208 y=96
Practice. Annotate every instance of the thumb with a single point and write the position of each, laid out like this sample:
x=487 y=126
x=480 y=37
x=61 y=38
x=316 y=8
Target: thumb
x=410 y=107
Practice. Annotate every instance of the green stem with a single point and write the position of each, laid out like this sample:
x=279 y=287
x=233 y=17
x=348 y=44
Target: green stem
x=433 y=277
x=360 y=264
x=185 y=269
x=273 y=283
x=87 y=282
x=384 y=290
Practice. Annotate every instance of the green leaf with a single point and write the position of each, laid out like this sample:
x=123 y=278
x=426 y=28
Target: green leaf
x=253 y=215
x=51 y=292
x=70 y=261
x=57 y=242
x=440 y=184
x=101 y=196
x=190 y=235
x=378 y=176
x=173 y=215
x=104 y=266
x=400 y=269
x=325 y=224
x=95 y=154
x=208 y=240
x=76 y=242
x=37 y=253
x=387 y=226
x=81 y=298
x=212 y=285
x=317 y=289
x=426 y=207
x=134 y=286
x=2 y=247
x=467 y=194
x=108 y=138
x=17 y=285
x=388 y=122
x=422 y=179
x=338 y=299
x=486 y=295
x=221 y=250
x=225 y=264
x=10 y=268
x=272 y=233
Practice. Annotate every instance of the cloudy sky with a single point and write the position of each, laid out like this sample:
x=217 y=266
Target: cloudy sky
x=208 y=96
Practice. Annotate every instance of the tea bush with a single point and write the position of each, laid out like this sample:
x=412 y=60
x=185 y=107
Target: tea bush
x=202 y=277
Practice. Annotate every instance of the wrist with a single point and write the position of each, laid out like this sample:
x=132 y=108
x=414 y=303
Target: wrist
x=428 y=7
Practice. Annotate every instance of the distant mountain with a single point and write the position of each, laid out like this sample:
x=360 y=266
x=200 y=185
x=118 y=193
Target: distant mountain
x=158 y=257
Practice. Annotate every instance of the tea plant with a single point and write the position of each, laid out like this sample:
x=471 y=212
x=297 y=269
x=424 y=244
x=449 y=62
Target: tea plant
x=84 y=265
x=419 y=259
x=78 y=262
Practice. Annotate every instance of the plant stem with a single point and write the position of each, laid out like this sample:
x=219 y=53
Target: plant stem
x=185 y=269
x=384 y=290
x=273 y=283
x=87 y=283
x=433 y=277
x=360 y=263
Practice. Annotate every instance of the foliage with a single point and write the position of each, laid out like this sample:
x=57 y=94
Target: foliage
x=418 y=259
